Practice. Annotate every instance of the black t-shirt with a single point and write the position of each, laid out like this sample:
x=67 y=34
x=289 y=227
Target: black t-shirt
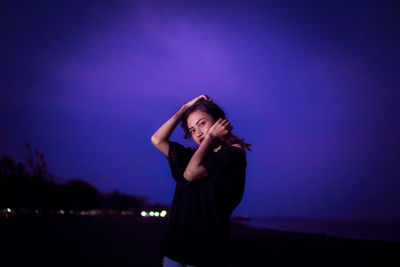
x=198 y=226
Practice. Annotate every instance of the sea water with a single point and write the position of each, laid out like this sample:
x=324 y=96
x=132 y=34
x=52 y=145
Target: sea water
x=366 y=230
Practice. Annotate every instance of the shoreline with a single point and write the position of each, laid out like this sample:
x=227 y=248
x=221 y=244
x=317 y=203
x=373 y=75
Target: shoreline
x=350 y=229
x=133 y=241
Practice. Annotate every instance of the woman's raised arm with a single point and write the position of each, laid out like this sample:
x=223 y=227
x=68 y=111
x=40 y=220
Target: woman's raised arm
x=160 y=139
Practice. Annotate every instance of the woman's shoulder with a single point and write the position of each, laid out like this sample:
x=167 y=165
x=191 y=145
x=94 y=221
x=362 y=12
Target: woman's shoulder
x=239 y=146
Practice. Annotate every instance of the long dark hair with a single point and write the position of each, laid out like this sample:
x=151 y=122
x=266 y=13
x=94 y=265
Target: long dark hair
x=216 y=112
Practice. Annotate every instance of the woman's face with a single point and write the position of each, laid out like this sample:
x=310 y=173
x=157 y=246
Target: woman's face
x=199 y=123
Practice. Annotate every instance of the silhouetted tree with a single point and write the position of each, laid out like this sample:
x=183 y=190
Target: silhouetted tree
x=29 y=185
x=37 y=165
x=120 y=201
x=14 y=183
x=79 y=194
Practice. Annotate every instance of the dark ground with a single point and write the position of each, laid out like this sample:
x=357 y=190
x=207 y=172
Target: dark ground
x=133 y=241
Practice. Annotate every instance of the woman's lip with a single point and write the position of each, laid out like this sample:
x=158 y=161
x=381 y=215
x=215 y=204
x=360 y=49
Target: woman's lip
x=201 y=140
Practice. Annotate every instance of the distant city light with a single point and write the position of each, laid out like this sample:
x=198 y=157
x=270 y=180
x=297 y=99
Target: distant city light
x=7 y=212
x=95 y=212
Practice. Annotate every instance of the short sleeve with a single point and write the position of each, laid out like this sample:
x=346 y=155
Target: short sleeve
x=228 y=170
x=178 y=159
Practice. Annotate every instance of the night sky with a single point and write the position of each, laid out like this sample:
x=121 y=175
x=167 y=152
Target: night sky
x=313 y=86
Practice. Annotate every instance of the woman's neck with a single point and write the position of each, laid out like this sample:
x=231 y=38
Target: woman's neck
x=219 y=145
x=217 y=148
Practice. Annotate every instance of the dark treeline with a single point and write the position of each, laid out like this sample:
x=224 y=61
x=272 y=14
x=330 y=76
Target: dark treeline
x=29 y=186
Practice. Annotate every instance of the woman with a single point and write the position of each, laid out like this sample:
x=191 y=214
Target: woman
x=209 y=185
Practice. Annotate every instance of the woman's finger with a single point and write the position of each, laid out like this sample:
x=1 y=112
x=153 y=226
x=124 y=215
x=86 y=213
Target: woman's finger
x=207 y=98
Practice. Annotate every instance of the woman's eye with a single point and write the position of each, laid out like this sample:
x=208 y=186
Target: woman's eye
x=201 y=124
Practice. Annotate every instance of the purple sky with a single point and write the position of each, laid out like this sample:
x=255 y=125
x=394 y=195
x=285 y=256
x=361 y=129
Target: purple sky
x=313 y=87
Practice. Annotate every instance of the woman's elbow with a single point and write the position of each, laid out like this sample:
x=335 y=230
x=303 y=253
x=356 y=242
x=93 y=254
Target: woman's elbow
x=188 y=176
x=191 y=175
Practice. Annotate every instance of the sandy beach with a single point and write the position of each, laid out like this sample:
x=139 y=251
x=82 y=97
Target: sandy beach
x=133 y=241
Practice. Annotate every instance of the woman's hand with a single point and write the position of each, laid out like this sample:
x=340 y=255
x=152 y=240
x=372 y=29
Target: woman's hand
x=191 y=102
x=220 y=129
